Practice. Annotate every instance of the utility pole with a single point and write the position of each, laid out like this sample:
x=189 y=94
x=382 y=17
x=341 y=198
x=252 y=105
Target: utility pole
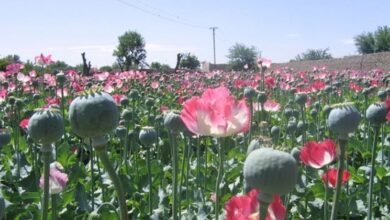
x=214 y=28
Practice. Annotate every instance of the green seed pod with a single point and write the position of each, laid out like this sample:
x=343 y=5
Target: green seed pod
x=376 y=113
x=271 y=171
x=149 y=102
x=382 y=95
x=300 y=98
x=125 y=101
x=366 y=91
x=93 y=115
x=295 y=152
x=147 y=136
x=262 y=97
x=11 y=100
x=253 y=145
x=60 y=78
x=314 y=113
x=275 y=131
x=36 y=96
x=291 y=127
x=173 y=121
x=5 y=137
x=127 y=114
x=121 y=131
x=343 y=119
x=134 y=94
x=301 y=126
x=46 y=126
x=288 y=112
x=249 y=93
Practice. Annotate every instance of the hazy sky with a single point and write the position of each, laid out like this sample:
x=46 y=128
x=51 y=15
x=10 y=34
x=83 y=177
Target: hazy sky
x=279 y=29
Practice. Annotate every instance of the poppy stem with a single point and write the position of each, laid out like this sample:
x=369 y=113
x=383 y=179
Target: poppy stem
x=99 y=144
x=340 y=168
x=172 y=139
x=46 y=173
x=219 y=177
x=372 y=173
x=326 y=196
x=149 y=180
x=263 y=210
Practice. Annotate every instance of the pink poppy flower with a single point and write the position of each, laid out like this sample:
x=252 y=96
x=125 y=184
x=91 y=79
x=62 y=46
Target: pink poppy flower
x=57 y=179
x=43 y=60
x=318 y=155
x=24 y=123
x=216 y=114
x=264 y=62
x=155 y=84
x=246 y=208
x=269 y=106
x=117 y=98
x=14 y=67
x=330 y=177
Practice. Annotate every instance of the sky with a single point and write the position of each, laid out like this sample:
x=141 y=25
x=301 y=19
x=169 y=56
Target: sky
x=280 y=30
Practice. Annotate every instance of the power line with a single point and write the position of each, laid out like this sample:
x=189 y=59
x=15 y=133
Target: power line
x=160 y=16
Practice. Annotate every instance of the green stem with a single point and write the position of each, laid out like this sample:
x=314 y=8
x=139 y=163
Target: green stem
x=326 y=199
x=149 y=180
x=263 y=210
x=172 y=138
x=372 y=173
x=340 y=168
x=54 y=206
x=46 y=174
x=219 y=177
x=92 y=178
x=182 y=173
x=100 y=146
x=251 y=121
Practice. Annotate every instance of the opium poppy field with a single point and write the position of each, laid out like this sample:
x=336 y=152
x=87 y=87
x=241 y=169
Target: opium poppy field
x=267 y=144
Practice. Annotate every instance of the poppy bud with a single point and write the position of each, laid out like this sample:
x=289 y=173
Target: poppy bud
x=271 y=171
x=134 y=94
x=127 y=114
x=121 y=131
x=376 y=113
x=343 y=119
x=301 y=98
x=148 y=136
x=249 y=93
x=262 y=97
x=382 y=94
x=291 y=126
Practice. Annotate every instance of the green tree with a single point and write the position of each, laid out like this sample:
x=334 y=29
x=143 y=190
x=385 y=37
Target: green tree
x=382 y=39
x=314 y=54
x=241 y=56
x=160 y=67
x=189 y=61
x=369 y=42
x=365 y=43
x=8 y=60
x=131 y=51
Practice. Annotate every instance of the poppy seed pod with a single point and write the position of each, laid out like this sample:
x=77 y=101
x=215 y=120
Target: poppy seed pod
x=376 y=113
x=127 y=114
x=5 y=137
x=46 y=126
x=249 y=93
x=262 y=97
x=147 y=136
x=300 y=98
x=271 y=171
x=382 y=95
x=93 y=115
x=275 y=131
x=134 y=94
x=253 y=145
x=343 y=119
x=60 y=78
x=173 y=121
x=121 y=131
x=288 y=112
x=149 y=102
x=295 y=152
x=291 y=126
x=124 y=101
